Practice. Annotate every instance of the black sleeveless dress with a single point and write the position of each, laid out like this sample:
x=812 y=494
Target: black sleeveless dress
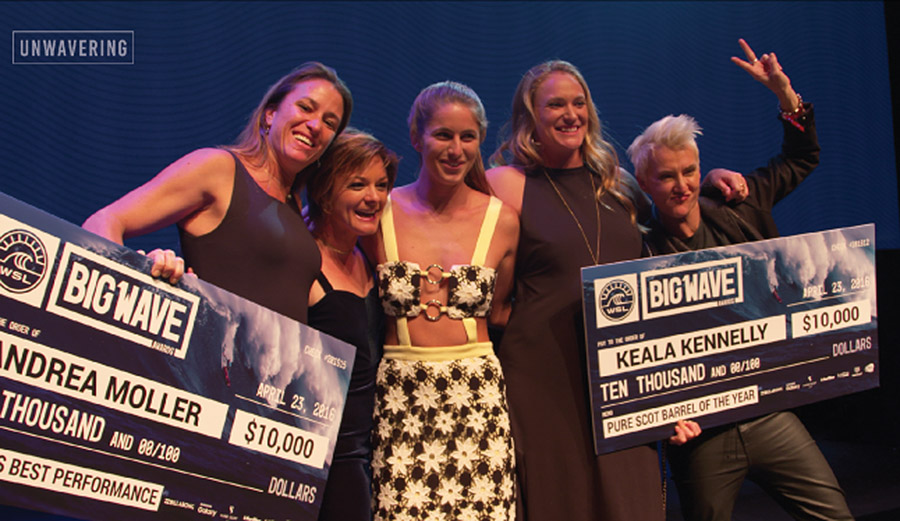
x=261 y=250
x=543 y=357
x=358 y=321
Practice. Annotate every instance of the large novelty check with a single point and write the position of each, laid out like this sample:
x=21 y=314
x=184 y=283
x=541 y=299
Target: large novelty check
x=122 y=397
x=729 y=333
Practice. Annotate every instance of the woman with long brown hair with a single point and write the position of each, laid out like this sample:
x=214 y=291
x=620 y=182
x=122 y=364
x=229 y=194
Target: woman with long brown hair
x=239 y=227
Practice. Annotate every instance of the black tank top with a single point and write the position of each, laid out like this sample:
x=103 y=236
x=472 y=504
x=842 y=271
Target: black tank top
x=261 y=250
x=358 y=321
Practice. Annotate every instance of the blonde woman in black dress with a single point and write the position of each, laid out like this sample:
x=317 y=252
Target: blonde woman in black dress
x=576 y=209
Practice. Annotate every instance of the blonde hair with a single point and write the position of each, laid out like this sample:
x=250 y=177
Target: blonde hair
x=441 y=93
x=350 y=152
x=599 y=155
x=251 y=143
x=675 y=132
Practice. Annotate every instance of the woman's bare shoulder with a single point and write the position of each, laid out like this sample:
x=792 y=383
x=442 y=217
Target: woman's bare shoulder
x=508 y=183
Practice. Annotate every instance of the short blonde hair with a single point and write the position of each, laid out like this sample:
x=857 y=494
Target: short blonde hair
x=675 y=132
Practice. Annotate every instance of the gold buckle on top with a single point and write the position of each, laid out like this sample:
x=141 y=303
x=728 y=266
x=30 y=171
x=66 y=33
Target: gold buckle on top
x=428 y=274
x=436 y=303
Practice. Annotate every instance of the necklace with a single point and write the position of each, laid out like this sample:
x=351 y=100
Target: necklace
x=332 y=248
x=275 y=189
x=595 y=256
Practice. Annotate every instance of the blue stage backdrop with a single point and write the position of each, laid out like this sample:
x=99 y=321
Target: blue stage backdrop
x=77 y=136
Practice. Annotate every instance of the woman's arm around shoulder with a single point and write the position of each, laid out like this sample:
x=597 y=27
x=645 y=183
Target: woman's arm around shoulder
x=508 y=183
x=727 y=183
x=506 y=236
x=194 y=190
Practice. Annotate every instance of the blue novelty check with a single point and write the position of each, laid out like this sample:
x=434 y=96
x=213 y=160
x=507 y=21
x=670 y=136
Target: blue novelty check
x=123 y=397
x=730 y=333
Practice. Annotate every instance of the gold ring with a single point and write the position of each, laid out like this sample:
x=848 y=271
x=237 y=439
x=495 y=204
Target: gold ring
x=428 y=274
x=436 y=303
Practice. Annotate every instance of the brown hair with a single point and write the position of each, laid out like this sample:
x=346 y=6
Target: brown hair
x=251 y=143
x=350 y=152
x=437 y=94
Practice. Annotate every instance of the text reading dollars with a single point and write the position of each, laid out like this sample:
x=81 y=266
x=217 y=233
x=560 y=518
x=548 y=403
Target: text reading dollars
x=123 y=301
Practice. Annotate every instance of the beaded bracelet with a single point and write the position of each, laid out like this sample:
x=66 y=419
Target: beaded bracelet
x=793 y=116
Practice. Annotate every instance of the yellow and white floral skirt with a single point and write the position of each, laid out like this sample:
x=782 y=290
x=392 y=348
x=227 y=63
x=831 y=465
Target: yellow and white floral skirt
x=442 y=443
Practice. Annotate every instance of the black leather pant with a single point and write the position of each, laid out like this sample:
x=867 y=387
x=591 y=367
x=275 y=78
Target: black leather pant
x=774 y=451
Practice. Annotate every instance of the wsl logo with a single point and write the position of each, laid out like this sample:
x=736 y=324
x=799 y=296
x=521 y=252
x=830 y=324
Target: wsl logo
x=616 y=300
x=23 y=261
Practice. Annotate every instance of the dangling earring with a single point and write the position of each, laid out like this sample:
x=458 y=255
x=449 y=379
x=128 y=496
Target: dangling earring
x=266 y=130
